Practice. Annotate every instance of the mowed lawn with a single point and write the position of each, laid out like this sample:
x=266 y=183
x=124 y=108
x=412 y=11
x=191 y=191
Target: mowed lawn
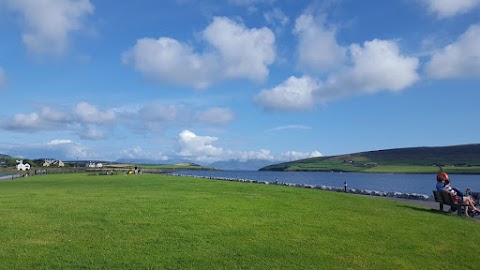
x=78 y=221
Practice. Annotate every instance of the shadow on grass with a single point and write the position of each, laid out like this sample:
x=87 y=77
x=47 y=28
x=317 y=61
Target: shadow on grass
x=426 y=210
x=433 y=211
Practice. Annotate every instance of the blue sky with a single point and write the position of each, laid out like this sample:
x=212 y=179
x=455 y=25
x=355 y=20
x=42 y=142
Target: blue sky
x=241 y=79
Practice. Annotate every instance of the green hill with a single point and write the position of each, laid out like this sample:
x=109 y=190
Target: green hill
x=453 y=159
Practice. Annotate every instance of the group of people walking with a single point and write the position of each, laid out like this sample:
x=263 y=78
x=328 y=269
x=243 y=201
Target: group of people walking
x=467 y=199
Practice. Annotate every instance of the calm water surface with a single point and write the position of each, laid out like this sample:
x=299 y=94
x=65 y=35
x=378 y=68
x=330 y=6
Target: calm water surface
x=405 y=183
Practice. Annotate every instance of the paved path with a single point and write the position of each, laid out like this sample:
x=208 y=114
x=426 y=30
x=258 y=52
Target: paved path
x=427 y=204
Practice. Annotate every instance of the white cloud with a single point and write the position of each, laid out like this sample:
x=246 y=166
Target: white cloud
x=451 y=8
x=318 y=49
x=198 y=147
x=24 y=122
x=60 y=118
x=48 y=23
x=245 y=53
x=458 y=60
x=64 y=148
x=377 y=66
x=55 y=114
x=202 y=148
x=216 y=116
x=293 y=94
x=294 y=155
x=237 y=52
x=3 y=78
x=167 y=59
x=88 y=113
x=59 y=141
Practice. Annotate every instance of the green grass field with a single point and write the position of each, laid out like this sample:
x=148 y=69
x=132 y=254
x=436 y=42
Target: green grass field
x=77 y=221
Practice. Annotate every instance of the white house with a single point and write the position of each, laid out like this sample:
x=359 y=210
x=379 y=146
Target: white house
x=53 y=162
x=23 y=167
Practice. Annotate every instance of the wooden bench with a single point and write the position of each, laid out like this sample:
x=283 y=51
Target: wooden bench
x=444 y=197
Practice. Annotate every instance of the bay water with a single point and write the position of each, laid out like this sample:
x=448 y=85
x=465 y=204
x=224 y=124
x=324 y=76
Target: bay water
x=387 y=182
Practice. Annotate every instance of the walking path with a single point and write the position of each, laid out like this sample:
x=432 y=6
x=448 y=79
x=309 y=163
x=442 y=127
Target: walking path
x=427 y=204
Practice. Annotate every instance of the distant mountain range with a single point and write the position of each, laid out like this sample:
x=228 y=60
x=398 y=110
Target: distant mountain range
x=455 y=159
x=248 y=165
x=237 y=165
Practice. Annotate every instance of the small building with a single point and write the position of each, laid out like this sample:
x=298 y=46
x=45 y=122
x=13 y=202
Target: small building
x=23 y=167
x=53 y=162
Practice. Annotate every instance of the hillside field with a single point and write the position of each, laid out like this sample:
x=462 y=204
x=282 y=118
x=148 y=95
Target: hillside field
x=452 y=159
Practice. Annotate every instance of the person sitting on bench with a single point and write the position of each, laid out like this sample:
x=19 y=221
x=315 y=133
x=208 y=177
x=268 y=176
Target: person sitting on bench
x=455 y=192
x=443 y=184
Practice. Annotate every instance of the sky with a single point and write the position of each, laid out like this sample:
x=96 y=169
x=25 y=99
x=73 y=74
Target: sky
x=212 y=80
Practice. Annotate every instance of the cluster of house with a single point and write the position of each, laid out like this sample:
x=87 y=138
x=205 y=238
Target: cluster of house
x=47 y=163
x=55 y=163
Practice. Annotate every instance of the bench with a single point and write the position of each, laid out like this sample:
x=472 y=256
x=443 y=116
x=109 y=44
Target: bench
x=444 y=197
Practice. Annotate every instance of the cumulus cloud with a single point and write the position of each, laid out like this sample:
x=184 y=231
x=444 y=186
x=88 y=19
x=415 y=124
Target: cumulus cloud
x=55 y=114
x=200 y=147
x=3 y=78
x=60 y=118
x=449 y=8
x=88 y=113
x=167 y=59
x=376 y=66
x=216 y=116
x=460 y=59
x=245 y=53
x=25 y=122
x=293 y=94
x=318 y=49
x=236 y=52
x=48 y=23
